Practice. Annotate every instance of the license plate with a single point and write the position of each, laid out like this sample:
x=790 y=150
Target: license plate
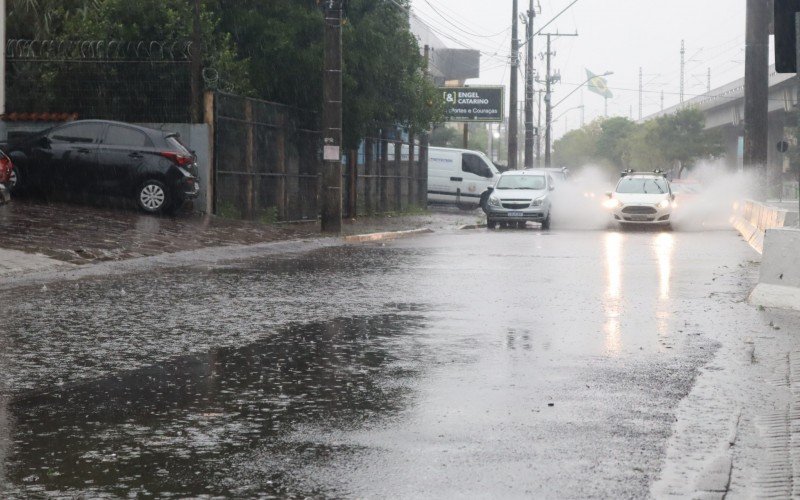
x=639 y=217
x=515 y=214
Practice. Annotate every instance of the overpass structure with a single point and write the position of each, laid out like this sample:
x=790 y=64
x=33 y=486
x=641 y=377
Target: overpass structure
x=723 y=108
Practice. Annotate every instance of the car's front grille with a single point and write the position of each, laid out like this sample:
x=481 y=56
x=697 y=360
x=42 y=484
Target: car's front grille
x=639 y=210
x=516 y=205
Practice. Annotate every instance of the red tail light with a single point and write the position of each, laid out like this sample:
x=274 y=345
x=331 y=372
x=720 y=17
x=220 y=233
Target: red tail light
x=179 y=159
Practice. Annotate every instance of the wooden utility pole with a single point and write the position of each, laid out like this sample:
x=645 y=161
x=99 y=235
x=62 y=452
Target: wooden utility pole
x=513 y=114
x=196 y=78
x=332 y=120
x=529 y=131
x=756 y=89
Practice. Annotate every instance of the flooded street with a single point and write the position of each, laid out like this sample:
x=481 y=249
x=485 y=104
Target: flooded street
x=463 y=363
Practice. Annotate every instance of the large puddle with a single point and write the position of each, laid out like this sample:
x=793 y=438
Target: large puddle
x=183 y=427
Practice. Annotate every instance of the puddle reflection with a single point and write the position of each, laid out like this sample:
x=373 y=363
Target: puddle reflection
x=173 y=429
x=611 y=303
x=664 y=247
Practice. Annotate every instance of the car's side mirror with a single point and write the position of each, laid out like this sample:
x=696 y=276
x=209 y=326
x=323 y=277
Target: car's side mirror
x=609 y=194
x=490 y=188
x=672 y=196
x=44 y=141
x=552 y=188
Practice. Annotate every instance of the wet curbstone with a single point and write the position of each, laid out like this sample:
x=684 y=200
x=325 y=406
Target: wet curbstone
x=390 y=235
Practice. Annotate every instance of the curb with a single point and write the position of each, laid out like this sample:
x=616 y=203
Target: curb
x=389 y=235
x=472 y=226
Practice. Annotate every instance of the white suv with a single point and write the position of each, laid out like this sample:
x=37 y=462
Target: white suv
x=520 y=196
x=641 y=198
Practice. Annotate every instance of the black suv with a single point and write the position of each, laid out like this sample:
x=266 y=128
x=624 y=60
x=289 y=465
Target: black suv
x=110 y=158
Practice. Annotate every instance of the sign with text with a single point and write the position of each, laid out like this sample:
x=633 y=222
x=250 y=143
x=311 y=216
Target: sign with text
x=473 y=104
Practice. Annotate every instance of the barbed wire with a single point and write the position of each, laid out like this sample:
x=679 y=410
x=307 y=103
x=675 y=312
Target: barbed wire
x=98 y=50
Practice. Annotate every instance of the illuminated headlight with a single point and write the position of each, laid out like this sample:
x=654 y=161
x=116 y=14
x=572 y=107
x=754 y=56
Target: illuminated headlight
x=537 y=202
x=611 y=203
x=494 y=201
x=663 y=204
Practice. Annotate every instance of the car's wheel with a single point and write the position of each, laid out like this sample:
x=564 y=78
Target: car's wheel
x=15 y=181
x=546 y=223
x=521 y=224
x=491 y=224
x=153 y=197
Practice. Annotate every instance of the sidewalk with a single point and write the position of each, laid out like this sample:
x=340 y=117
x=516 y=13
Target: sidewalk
x=35 y=235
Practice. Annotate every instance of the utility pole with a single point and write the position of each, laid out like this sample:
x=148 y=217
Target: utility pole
x=529 y=134
x=539 y=135
x=756 y=88
x=196 y=83
x=332 y=119
x=683 y=67
x=466 y=135
x=640 y=93
x=548 y=98
x=548 y=120
x=513 y=114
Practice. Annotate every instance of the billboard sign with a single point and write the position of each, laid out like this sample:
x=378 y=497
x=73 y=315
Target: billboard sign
x=473 y=104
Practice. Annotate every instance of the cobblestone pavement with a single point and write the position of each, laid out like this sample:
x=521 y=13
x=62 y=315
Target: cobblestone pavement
x=80 y=234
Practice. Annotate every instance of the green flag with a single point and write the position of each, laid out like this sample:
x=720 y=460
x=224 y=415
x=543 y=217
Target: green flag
x=598 y=85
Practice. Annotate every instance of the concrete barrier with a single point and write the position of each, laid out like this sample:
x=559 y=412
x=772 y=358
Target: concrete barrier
x=752 y=219
x=779 y=279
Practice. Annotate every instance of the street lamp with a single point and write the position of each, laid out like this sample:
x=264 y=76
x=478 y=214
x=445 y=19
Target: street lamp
x=567 y=111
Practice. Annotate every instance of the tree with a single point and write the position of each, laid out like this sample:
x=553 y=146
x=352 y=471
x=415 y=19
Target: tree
x=682 y=139
x=643 y=148
x=577 y=148
x=444 y=136
x=612 y=144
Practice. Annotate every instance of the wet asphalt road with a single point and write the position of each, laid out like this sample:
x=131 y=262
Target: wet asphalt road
x=472 y=363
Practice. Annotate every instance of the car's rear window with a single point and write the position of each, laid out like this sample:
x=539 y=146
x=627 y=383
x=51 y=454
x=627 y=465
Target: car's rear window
x=522 y=182
x=642 y=185
x=177 y=145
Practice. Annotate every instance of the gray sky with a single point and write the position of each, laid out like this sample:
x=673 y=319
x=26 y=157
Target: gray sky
x=614 y=35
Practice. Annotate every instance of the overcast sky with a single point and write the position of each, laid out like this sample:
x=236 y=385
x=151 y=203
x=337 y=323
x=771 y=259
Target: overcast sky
x=614 y=35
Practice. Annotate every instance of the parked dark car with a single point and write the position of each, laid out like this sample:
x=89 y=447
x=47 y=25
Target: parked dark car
x=150 y=166
x=6 y=176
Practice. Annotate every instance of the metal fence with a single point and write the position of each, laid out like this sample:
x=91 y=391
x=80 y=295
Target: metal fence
x=267 y=160
x=385 y=175
x=143 y=81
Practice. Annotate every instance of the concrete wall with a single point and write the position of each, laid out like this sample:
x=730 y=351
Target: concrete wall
x=196 y=136
x=752 y=219
x=779 y=279
x=773 y=232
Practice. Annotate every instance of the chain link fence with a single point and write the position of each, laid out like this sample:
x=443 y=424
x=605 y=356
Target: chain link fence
x=143 y=81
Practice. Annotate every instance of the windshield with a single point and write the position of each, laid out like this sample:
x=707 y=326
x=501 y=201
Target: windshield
x=536 y=182
x=643 y=185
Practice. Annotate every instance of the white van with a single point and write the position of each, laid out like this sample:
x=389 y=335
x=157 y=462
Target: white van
x=459 y=176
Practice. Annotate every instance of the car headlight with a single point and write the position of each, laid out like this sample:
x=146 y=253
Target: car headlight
x=611 y=203
x=663 y=204
x=538 y=202
x=494 y=201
